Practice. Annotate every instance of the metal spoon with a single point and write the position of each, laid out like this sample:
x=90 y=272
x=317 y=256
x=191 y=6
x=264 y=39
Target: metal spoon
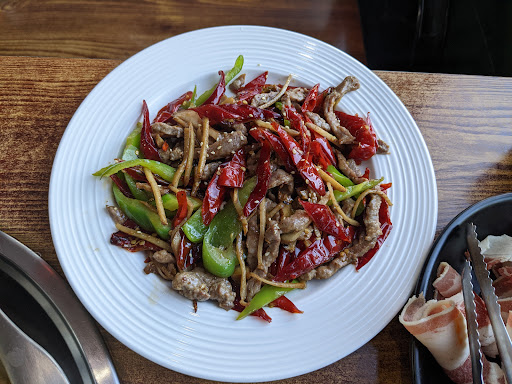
x=24 y=360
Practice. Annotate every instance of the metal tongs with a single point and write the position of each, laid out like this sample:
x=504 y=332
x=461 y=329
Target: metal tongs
x=493 y=308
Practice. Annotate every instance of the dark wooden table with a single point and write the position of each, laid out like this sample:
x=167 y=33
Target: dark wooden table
x=465 y=120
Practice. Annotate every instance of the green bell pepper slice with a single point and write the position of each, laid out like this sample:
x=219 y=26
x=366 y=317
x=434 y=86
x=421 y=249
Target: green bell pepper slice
x=217 y=260
x=230 y=75
x=170 y=202
x=356 y=189
x=266 y=295
x=131 y=152
x=194 y=228
x=165 y=171
x=139 y=194
x=139 y=212
x=132 y=148
x=339 y=177
x=219 y=257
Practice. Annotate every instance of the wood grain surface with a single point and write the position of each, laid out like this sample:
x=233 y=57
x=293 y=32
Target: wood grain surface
x=117 y=29
x=466 y=122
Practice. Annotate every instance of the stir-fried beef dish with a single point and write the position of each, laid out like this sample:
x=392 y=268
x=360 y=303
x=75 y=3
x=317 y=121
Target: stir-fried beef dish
x=249 y=190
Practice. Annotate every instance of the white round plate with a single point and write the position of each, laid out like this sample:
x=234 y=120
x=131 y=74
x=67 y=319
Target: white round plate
x=340 y=314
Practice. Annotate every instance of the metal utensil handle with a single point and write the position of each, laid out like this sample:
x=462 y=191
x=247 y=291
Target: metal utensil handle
x=24 y=360
x=491 y=301
x=472 y=324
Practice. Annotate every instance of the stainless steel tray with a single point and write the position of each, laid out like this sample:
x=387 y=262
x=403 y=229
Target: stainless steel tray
x=43 y=305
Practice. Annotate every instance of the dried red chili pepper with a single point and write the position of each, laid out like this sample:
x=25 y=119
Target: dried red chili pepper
x=236 y=113
x=261 y=135
x=283 y=259
x=248 y=112
x=285 y=303
x=306 y=169
x=258 y=313
x=123 y=187
x=215 y=113
x=252 y=88
x=320 y=100
x=166 y=112
x=325 y=220
x=318 y=253
x=181 y=213
x=147 y=144
x=263 y=173
x=326 y=147
x=182 y=260
x=385 y=226
x=364 y=135
x=310 y=101
x=319 y=156
x=297 y=122
x=131 y=243
x=232 y=175
x=137 y=174
x=212 y=200
x=214 y=98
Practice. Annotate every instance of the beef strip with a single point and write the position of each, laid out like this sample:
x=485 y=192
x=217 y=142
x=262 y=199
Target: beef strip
x=201 y=286
x=273 y=239
x=350 y=83
x=280 y=177
x=166 y=271
x=237 y=83
x=240 y=127
x=298 y=221
x=226 y=146
x=209 y=170
x=172 y=154
x=297 y=95
x=262 y=98
x=163 y=256
x=116 y=214
x=349 y=168
x=186 y=116
x=166 y=130
x=319 y=121
x=371 y=218
x=252 y=242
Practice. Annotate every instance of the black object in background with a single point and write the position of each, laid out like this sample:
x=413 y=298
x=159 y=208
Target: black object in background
x=447 y=36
